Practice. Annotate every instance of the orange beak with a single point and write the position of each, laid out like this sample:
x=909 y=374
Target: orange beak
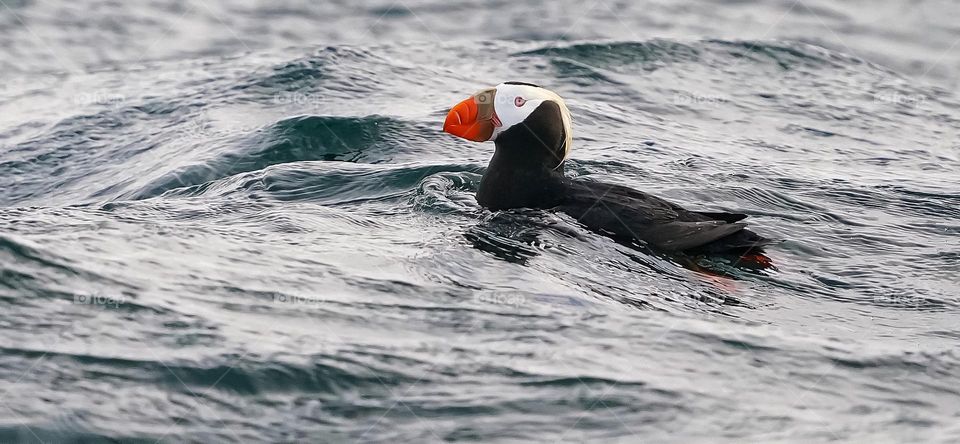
x=463 y=121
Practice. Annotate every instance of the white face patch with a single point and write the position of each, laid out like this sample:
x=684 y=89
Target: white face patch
x=514 y=103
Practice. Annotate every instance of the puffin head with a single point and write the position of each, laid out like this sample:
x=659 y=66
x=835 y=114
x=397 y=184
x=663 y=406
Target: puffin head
x=524 y=120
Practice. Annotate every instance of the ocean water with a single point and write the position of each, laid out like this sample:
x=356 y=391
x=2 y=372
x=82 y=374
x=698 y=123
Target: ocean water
x=225 y=220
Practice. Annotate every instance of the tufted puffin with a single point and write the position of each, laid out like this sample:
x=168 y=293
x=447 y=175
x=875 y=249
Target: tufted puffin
x=531 y=128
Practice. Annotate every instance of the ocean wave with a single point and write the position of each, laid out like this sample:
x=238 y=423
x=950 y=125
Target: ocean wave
x=283 y=245
x=305 y=138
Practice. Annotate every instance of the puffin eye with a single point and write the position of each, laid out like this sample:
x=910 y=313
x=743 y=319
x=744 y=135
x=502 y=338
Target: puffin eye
x=519 y=101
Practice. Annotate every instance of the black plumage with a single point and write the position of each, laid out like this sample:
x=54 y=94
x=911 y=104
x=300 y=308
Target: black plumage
x=526 y=171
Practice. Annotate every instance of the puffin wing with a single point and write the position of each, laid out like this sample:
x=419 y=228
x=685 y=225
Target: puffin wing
x=679 y=236
x=626 y=212
x=654 y=201
x=659 y=228
x=726 y=217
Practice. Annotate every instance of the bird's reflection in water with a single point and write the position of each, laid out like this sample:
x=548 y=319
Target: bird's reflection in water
x=515 y=236
x=512 y=236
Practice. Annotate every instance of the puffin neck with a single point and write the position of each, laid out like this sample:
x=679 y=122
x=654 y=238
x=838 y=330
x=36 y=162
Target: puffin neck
x=525 y=158
x=526 y=169
x=536 y=143
x=516 y=180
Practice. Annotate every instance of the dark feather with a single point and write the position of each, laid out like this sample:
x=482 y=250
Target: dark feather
x=625 y=212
